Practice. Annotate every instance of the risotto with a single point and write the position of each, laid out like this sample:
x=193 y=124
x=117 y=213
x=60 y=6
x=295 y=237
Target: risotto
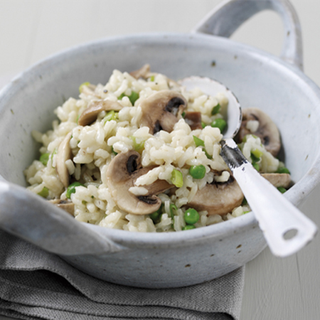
x=141 y=153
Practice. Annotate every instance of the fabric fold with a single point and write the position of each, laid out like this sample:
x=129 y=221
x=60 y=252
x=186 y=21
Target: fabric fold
x=35 y=284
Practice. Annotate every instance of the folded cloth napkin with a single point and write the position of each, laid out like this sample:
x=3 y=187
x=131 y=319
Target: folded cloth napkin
x=35 y=284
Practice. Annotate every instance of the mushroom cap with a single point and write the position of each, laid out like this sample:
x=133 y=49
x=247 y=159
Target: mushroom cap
x=121 y=175
x=64 y=153
x=222 y=198
x=90 y=114
x=160 y=111
x=278 y=179
x=218 y=198
x=267 y=130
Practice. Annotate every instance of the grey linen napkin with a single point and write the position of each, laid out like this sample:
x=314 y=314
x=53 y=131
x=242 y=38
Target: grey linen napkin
x=35 y=284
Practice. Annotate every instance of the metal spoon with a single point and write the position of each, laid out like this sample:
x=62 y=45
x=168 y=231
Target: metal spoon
x=285 y=228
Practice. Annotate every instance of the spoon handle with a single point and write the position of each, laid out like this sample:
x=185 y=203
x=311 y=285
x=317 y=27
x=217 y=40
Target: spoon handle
x=285 y=228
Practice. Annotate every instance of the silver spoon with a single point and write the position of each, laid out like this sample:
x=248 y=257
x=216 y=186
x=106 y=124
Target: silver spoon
x=285 y=228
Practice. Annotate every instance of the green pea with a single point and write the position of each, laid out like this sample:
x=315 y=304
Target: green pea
x=256 y=166
x=283 y=170
x=197 y=172
x=254 y=158
x=177 y=178
x=156 y=216
x=198 y=142
x=44 y=192
x=219 y=123
x=72 y=188
x=153 y=216
x=134 y=96
x=44 y=158
x=152 y=78
x=189 y=227
x=282 y=189
x=191 y=216
x=216 y=109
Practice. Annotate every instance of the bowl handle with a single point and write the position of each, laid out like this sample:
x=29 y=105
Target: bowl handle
x=230 y=14
x=28 y=216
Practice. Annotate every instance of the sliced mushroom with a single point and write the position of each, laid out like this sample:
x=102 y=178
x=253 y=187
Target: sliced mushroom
x=122 y=173
x=218 y=197
x=143 y=72
x=90 y=114
x=65 y=205
x=267 y=130
x=64 y=154
x=193 y=119
x=278 y=179
x=161 y=110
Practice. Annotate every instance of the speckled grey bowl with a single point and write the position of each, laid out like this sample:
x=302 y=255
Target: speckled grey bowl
x=176 y=259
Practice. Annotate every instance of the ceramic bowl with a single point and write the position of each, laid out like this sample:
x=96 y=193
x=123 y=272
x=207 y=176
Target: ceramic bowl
x=276 y=85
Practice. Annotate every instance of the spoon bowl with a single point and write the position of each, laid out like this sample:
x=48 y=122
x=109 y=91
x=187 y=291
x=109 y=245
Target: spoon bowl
x=232 y=114
x=285 y=228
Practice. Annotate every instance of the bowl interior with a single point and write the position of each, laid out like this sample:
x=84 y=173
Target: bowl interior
x=258 y=80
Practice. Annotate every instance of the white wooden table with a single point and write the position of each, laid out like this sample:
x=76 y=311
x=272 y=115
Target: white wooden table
x=277 y=289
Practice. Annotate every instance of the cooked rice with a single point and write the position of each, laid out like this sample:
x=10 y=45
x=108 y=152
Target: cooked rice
x=94 y=146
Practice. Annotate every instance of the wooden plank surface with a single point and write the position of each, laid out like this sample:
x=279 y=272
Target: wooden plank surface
x=34 y=29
